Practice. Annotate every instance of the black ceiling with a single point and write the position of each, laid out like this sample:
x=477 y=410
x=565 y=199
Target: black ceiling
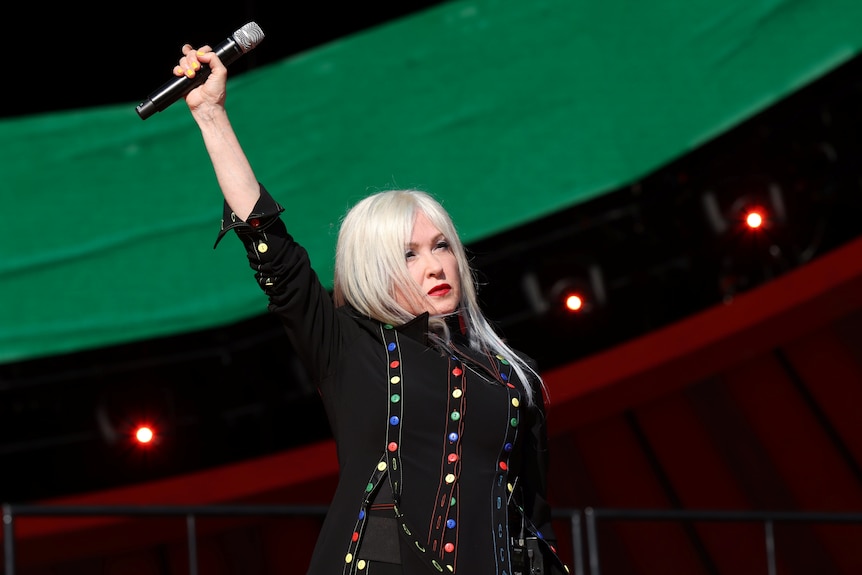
x=64 y=57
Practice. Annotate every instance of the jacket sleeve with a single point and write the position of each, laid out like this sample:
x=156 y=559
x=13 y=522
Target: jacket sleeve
x=284 y=273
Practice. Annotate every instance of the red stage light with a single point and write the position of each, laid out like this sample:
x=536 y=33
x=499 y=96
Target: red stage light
x=754 y=219
x=574 y=302
x=144 y=434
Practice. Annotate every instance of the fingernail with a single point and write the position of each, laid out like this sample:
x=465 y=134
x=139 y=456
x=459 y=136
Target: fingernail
x=190 y=73
x=200 y=53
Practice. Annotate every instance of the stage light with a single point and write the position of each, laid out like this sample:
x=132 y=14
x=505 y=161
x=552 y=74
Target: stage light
x=572 y=296
x=568 y=296
x=144 y=435
x=754 y=219
x=749 y=219
x=574 y=302
x=136 y=418
x=744 y=204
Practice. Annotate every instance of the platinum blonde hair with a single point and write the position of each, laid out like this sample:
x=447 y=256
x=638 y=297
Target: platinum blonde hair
x=370 y=267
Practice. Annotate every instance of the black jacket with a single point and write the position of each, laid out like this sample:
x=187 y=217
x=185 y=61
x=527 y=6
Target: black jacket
x=439 y=453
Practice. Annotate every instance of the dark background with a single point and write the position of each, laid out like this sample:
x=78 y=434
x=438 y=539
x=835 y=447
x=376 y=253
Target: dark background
x=235 y=392
x=78 y=55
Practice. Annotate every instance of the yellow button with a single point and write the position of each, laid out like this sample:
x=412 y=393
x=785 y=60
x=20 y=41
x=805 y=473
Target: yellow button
x=450 y=478
x=262 y=247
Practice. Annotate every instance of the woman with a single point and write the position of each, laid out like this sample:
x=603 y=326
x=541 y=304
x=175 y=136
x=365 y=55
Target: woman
x=439 y=425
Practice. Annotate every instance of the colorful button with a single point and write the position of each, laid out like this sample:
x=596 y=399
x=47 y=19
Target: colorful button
x=449 y=547
x=456 y=393
x=262 y=247
x=391 y=346
x=450 y=478
x=452 y=457
x=454 y=416
x=394 y=380
x=394 y=363
x=453 y=437
x=450 y=523
x=457 y=372
x=395 y=398
x=392 y=446
x=393 y=420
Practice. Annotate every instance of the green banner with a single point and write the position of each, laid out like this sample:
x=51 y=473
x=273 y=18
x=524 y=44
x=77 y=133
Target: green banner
x=507 y=111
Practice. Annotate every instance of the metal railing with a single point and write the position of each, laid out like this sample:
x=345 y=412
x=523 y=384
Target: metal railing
x=768 y=518
x=592 y=517
x=191 y=512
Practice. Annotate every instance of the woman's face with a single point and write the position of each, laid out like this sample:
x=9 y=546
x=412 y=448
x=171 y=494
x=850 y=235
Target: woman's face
x=432 y=265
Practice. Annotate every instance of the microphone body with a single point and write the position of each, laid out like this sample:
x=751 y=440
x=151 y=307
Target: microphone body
x=240 y=42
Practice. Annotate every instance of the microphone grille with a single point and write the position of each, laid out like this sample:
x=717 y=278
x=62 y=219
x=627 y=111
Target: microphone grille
x=248 y=36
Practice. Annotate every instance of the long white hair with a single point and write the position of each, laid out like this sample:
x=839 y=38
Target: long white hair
x=370 y=266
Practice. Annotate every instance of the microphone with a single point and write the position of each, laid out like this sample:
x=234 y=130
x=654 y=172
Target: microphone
x=240 y=42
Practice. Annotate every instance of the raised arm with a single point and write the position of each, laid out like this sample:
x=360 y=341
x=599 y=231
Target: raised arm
x=206 y=102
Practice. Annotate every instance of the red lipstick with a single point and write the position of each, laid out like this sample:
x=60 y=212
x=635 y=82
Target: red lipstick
x=440 y=290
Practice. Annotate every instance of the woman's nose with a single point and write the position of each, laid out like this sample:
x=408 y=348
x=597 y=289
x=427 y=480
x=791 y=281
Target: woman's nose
x=433 y=267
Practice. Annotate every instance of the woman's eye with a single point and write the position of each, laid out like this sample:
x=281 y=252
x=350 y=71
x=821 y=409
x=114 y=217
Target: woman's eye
x=409 y=254
x=442 y=245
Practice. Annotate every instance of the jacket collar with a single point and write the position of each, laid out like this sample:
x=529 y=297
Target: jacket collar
x=416 y=328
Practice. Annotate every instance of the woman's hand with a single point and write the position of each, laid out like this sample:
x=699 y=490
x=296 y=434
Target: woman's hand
x=209 y=96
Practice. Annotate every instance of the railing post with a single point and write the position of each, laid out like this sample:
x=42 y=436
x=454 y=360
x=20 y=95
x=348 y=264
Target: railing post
x=770 y=546
x=577 y=546
x=592 y=540
x=8 y=539
x=191 y=535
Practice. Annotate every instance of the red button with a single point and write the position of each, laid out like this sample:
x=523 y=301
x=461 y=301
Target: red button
x=392 y=446
x=254 y=222
x=453 y=457
x=449 y=547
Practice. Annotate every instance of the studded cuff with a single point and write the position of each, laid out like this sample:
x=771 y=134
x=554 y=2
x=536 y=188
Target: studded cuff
x=264 y=214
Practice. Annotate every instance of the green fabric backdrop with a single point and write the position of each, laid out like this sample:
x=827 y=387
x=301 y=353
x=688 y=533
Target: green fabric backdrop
x=507 y=111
